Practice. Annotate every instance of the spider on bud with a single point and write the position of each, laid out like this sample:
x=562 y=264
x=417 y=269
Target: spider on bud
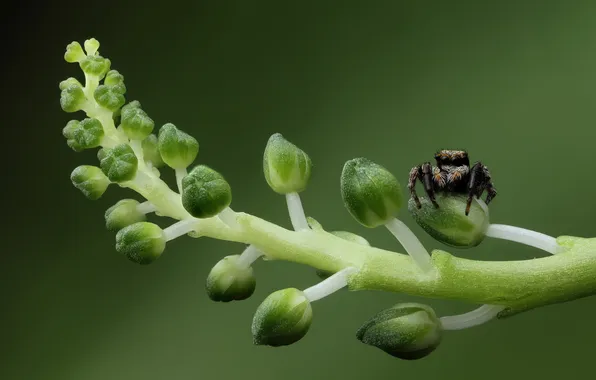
x=452 y=175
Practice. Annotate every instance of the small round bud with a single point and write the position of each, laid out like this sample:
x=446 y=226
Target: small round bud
x=69 y=82
x=115 y=80
x=109 y=97
x=142 y=242
x=178 y=149
x=119 y=163
x=91 y=46
x=135 y=123
x=84 y=134
x=229 y=281
x=286 y=167
x=205 y=192
x=72 y=98
x=370 y=192
x=95 y=65
x=74 y=52
x=90 y=180
x=122 y=214
x=282 y=319
x=407 y=331
x=448 y=223
x=151 y=151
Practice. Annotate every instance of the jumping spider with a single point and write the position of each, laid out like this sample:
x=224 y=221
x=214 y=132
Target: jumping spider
x=452 y=175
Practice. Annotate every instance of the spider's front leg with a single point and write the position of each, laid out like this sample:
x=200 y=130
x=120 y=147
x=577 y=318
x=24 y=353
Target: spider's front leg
x=488 y=185
x=415 y=173
x=427 y=180
x=476 y=184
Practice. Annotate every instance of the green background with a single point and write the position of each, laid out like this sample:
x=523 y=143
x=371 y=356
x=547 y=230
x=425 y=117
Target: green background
x=514 y=82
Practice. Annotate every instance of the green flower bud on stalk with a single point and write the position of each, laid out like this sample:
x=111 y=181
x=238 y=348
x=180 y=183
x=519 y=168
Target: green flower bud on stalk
x=90 y=180
x=142 y=242
x=135 y=123
x=109 y=97
x=286 y=167
x=84 y=134
x=69 y=82
x=230 y=281
x=119 y=163
x=72 y=98
x=407 y=331
x=91 y=46
x=95 y=65
x=151 y=151
x=115 y=80
x=74 y=52
x=282 y=319
x=205 y=192
x=370 y=192
x=122 y=214
x=178 y=149
x=448 y=223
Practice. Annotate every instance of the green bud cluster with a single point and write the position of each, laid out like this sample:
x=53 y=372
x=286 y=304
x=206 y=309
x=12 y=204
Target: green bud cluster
x=177 y=148
x=230 y=281
x=85 y=134
x=141 y=242
x=90 y=180
x=370 y=192
x=72 y=97
x=135 y=122
x=205 y=192
x=282 y=319
x=407 y=331
x=448 y=223
x=123 y=214
x=119 y=163
x=286 y=167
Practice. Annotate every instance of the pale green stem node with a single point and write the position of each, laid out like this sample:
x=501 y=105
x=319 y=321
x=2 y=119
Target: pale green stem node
x=370 y=192
x=205 y=192
x=282 y=319
x=407 y=331
x=229 y=280
x=142 y=242
x=286 y=167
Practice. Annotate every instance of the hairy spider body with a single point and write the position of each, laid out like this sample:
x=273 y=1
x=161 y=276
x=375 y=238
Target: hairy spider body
x=453 y=175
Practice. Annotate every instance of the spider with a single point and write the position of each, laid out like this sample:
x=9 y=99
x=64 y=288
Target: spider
x=452 y=175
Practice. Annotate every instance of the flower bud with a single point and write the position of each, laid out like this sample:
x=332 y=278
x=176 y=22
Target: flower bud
x=178 y=149
x=407 y=331
x=72 y=98
x=90 y=180
x=119 y=163
x=135 y=123
x=74 y=52
x=109 y=97
x=95 y=65
x=282 y=319
x=449 y=223
x=91 y=46
x=370 y=192
x=115 y=80
x=122 y=214
x=229 y=281
x=205 y=192
x=142 y=242
x=84 y=134
x=69 y=82
x=151 y=151
x=286 y=167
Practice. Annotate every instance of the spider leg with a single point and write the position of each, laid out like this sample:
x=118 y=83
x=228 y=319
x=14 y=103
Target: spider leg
x=475 y=185
x=415 y=173
x=490 y=187
x=427 y=180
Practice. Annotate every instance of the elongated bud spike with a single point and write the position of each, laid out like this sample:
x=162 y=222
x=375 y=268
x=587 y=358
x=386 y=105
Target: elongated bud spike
x=448 y=223
x=286 y=167
x=370 y=192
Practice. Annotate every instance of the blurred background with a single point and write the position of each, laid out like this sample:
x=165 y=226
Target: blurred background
x=513 y=82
